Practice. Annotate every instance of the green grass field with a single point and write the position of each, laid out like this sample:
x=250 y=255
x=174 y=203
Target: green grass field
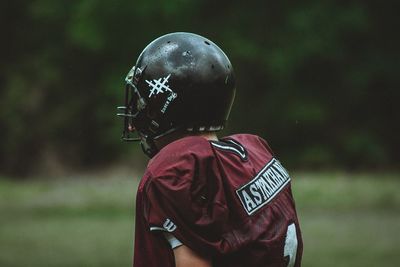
x=347 y=220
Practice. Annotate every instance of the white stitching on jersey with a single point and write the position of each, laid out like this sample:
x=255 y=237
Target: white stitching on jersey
x=241 y=153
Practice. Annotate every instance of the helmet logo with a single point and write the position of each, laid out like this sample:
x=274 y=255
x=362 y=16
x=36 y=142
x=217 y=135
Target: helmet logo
x=159 y=86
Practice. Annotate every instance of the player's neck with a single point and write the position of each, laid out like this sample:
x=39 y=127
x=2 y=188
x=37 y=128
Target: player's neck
x=212 y=136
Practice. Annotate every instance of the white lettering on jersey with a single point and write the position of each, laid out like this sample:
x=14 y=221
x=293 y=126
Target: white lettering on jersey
x=263 y=187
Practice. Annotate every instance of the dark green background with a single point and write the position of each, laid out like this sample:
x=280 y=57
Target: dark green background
x=318 y=79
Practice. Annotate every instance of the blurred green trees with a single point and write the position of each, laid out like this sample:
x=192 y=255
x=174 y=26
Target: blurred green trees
x=317 y=79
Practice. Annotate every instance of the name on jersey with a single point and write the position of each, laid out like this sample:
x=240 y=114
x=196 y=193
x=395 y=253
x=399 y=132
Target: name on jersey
x=263 y=187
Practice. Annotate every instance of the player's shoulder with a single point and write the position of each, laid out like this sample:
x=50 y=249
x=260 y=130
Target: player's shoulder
x=180 y=155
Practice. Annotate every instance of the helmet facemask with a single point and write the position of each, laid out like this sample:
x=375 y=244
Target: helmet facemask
x=134 y=104
x=132 y=111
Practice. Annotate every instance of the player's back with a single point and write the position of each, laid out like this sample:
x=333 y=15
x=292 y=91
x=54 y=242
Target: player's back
x=228 y=199
x=262 y=227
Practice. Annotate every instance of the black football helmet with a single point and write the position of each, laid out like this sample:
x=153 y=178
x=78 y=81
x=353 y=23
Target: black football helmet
x=181 y=81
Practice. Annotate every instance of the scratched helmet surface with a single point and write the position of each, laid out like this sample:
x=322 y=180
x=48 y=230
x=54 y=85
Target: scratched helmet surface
x=180 y=81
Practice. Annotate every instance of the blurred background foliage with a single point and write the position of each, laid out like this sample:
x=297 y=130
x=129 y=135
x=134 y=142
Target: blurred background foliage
x=318 y=79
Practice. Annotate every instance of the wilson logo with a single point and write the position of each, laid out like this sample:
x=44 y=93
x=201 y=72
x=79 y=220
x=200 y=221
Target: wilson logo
x=169 y=225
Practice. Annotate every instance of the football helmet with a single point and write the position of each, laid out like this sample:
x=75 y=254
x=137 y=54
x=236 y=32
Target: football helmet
x=181 y=81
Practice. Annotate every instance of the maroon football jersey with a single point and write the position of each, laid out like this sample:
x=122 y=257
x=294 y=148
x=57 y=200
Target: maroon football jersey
x=229 y=200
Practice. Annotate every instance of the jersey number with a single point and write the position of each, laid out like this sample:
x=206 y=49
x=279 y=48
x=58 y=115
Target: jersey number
x=290 y=250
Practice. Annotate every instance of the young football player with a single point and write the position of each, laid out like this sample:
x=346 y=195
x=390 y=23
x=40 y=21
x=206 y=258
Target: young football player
x=204 y=200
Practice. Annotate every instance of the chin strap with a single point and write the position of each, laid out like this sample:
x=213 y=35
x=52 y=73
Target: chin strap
x=148 y=146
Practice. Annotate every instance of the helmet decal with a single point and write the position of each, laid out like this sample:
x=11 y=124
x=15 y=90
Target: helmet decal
x=170 y=98
x=159 y=86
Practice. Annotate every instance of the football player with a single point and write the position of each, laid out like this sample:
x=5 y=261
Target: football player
x=203 y=200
